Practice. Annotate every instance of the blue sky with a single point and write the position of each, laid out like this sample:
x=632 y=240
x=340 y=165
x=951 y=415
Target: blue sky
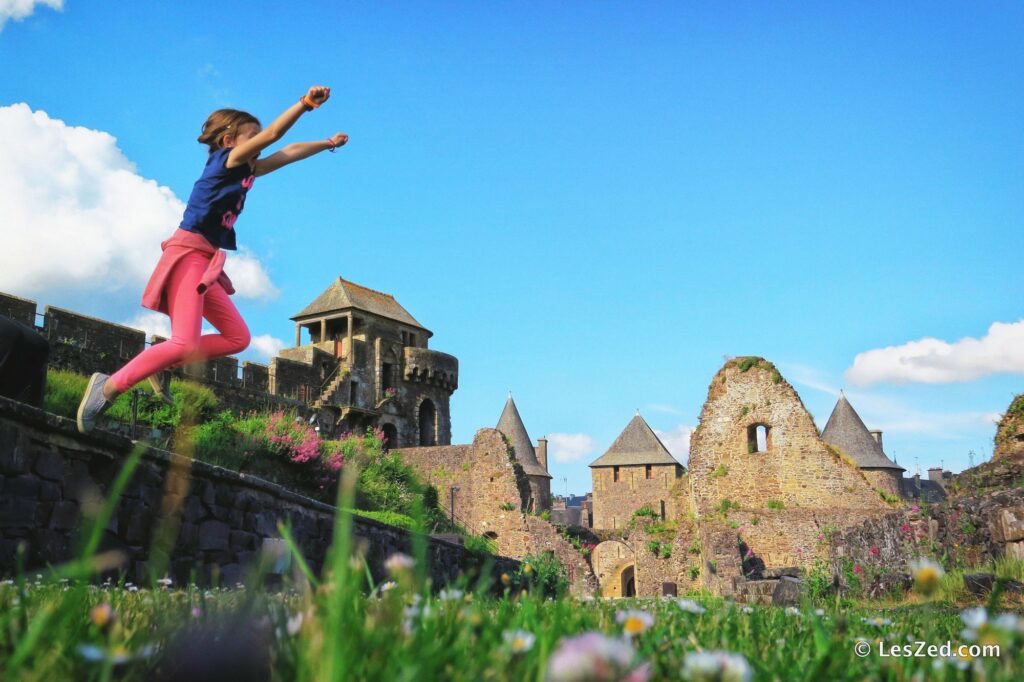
x=590 y=204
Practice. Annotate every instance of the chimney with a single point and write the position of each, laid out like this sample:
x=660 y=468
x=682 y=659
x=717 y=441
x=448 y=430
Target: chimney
x=877 y=435
x=935 y=474
x=542 y=452
x=917 y=481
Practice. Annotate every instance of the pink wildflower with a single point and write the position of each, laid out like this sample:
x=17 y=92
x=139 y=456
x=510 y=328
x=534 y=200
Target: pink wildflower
x=597 y=657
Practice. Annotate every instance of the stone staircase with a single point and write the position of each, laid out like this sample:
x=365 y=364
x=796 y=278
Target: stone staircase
x=331 y=389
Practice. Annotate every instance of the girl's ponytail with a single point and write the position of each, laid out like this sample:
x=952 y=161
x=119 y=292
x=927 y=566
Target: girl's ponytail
x=223 y=122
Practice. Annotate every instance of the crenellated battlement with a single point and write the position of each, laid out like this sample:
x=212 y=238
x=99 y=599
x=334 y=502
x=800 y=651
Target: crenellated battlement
x=431 y=367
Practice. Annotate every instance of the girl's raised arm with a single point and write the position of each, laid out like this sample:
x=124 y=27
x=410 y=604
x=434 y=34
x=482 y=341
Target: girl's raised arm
x=247 y=150
x=297 y=151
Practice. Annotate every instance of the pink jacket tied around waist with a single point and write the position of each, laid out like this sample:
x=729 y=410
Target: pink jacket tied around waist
x=179 y=245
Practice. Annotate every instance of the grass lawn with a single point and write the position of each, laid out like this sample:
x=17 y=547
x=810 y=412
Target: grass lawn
x=97 y=632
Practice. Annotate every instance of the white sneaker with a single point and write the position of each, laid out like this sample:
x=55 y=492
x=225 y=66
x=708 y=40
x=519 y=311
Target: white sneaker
x=93 y=403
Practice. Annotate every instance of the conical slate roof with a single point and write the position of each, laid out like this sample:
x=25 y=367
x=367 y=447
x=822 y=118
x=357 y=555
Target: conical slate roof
x=343 y=294
x=846 y=431
x=637 y=444
x=511 y=424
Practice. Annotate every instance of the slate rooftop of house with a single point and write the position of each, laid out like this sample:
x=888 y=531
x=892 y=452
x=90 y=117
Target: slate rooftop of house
x=846 y=431
x=343 y=295
x=637 y=444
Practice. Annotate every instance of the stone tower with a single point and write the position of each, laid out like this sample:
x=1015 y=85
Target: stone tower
x=375 y=365
x=636 y=471
x=847 y=432
x=511 y=424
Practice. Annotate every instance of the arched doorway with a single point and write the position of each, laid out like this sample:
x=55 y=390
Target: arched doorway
x=428 y=416
x=390 y=436
x=610 y=560
x=628 y=582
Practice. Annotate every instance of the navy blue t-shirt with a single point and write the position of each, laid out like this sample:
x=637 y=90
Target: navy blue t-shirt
x=217 y=198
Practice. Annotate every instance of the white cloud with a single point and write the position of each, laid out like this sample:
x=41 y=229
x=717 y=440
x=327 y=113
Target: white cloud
x=151 y=322
x=266 y=346
x=933 y=361
x=677 y=441
x=77 y=217
x=249 y=277
x=570 y=447
x=22 y=9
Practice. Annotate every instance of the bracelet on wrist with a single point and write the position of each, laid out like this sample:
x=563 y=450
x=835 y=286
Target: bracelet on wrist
x=308 y=104
x=333 y=147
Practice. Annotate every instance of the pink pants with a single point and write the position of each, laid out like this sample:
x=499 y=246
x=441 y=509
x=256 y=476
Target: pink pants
x=187 y=309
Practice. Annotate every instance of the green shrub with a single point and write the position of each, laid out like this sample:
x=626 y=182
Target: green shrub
x=645 y=511
x=889 y=499
x=694 y=572
x=725 y=505
x=475 y=543
x=746 y=363
x=391 y=518
x=544 y=574
x=818 y=581
x=720 y=471
x=775 y=504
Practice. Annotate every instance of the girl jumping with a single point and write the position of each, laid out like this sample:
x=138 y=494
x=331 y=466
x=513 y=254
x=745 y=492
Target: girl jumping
x=189 y=283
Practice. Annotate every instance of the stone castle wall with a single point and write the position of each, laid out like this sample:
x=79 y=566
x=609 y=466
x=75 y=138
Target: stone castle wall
x=221 y=520
x=1009 y=439
x=83 y=344
x=885 y=480
x=18 y=309
x=795 y=486
x=492 y=495
x=615 y=501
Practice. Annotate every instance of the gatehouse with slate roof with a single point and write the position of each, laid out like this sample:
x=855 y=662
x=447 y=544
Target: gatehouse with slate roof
x=636 y=471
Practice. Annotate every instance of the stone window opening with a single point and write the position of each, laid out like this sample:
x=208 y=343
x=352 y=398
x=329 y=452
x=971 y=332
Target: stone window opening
x=759 y=438
x=615 y=474
x=353 y=392
x=387 y=376
x=662 y=509
x=428 y=428
x=491 y=535
x=648 y=471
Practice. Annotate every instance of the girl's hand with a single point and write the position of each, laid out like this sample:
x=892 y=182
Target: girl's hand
x=319 y=94
x=338 y=139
